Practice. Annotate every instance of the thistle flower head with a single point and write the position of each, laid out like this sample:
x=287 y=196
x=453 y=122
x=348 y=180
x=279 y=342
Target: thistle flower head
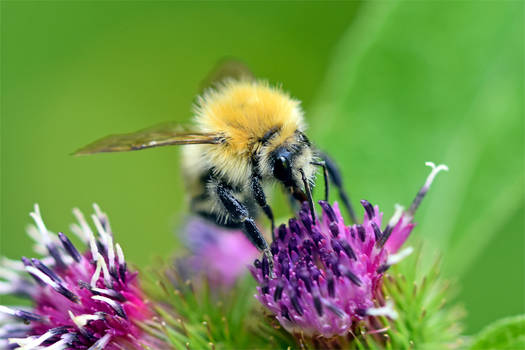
x=81 y=300
x=220 y=254
x=326 y=276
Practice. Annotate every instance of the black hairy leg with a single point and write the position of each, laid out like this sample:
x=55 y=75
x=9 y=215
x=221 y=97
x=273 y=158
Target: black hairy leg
x=239 y=212
x=260 y=198
x=337 y=180
x=308 y=193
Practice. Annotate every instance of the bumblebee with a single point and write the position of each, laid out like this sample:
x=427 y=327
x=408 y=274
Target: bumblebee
x=247 y=135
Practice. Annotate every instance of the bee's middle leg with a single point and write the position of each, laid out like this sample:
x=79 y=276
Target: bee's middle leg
x=239 y=212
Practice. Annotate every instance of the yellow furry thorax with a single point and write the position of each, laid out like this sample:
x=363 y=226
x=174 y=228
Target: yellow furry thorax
x=244 y=111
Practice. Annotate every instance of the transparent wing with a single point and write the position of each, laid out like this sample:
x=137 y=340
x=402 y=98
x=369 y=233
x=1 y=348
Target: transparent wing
x=227 y=69
x=165 y=134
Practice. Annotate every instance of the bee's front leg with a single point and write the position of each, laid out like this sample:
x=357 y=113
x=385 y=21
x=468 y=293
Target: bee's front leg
x=239 y=212
x=260 y=198
x=330 y=167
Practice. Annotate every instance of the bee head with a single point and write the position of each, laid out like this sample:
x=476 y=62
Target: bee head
x=289 y=160
x=292 y=166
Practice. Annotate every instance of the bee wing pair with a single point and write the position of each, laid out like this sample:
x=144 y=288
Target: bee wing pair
x=165 y=134
x=168 y=134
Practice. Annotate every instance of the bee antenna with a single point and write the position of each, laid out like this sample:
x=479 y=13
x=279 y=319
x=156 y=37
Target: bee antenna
x=308 y=194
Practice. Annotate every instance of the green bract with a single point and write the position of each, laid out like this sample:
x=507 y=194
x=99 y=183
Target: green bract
x=192 y=315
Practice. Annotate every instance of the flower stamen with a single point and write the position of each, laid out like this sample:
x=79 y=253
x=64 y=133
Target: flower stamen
x=87 y=233
x=69 y=247
x=398 y=212
x=119 y=310
x=395 y=258
x=387 y=310
x=423 y=191
x=101 y=343
x=57 y=286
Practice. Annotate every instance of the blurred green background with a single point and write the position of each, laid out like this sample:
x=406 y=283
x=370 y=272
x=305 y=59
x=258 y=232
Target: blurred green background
x=386 y=86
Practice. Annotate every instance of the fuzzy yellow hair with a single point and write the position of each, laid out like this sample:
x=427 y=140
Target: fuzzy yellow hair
x=243 y=111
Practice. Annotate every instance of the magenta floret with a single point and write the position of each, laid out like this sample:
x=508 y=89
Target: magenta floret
x=87 y=300
x=326 y=276
x=220 y=254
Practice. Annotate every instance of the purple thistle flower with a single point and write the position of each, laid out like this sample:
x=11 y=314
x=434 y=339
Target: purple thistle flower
x=219 y=254
x=326 y=275
x=80 y=300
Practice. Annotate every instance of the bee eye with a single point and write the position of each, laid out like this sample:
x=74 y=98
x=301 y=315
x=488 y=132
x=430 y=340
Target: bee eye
x=281 y=169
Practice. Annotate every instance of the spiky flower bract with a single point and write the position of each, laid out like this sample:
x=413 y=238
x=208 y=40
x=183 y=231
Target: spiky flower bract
x=428 y=318
x=197 y=315
x=326 y=277
x=205 y=298
x=194 y=318
x=80 y=300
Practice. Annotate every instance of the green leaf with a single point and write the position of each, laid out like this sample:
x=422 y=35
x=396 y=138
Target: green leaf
x=508 y=333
